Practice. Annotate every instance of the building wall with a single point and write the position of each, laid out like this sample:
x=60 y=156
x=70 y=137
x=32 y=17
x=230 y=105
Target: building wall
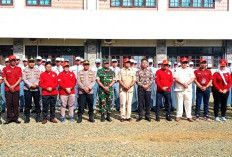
x=56 y=42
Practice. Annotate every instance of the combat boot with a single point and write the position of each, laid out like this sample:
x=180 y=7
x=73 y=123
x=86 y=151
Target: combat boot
x=79 y=120
x=108 y=117
x=102 y=117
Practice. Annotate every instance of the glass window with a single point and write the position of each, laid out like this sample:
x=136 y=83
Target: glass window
x=216 y=60
x=138 y=3
x=32 y=2
x=127 y=3
x=208 y=3
x=115 y=3
x=44 y=2
x=197 y=3
x=174 y=3
x=39 y=2
x=196 y=60
x=186 y=3
x=6 y=2
x=172 y=59
x=150 y=3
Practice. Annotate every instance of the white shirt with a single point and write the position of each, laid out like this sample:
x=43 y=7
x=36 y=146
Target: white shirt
x=41 y=68
x=95 y=69
x=116 y=70
x=184 y=75
x=57 y=70
x=75 y=69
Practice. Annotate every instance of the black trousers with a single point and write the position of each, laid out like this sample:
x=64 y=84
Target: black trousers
x=167 y=102
x=220 y=99
x=83 y=98
x=49 y=101
x=28 y=95
x=144 y=98
x=12 y=104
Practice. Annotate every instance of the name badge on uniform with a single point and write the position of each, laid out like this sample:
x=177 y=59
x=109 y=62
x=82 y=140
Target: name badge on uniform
x=203 y=81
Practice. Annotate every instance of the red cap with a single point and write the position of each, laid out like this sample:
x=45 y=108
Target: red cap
x=203 y=60
x=184 y=59
x=165 y=62
x=11 y=57
x=222 y=62
x=65 y=64
x=126 y=60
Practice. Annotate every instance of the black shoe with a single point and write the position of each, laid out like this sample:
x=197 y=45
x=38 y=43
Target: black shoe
x=27 y=120
x=3 y=111
x=0 y=121
x=157 y=119
x=108 y=117
x=17 y=121
x=37 y=118
x=33 y=111
x=21 y=110
x=168 y=118
x=79 y=120
x=148 y=119
x=8 y=122
x=102 y=117
x=91 y=119
x=139 y=119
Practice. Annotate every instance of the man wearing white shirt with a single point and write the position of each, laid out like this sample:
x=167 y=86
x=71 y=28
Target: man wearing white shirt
x=58 y=68
x=75 y=69
x=116 y=70
x=184 y=77
x=43 y=62
x=39 y=64
x=96 y=86
x=135 y=92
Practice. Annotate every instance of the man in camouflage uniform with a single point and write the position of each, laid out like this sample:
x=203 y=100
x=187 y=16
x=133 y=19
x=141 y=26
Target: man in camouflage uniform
x=105 y=79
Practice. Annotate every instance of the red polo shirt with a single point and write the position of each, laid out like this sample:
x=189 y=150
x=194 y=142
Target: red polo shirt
x=203 y=76
x=218 y=83
x=66 y=80
x=164 y=79
x=48 y=80
x=12 y=75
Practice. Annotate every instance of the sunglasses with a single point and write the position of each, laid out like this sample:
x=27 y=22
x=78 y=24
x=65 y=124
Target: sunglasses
x=184 y=62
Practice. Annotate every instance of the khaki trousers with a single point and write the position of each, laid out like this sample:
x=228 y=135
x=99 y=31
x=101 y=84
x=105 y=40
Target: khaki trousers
x=67 y=100
x=125 y=104
x=184 y=99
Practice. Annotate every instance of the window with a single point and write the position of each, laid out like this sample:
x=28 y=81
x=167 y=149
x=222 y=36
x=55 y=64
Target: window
x=6 y=2
x=191 y=3
x=133 y=3
x=38 y=2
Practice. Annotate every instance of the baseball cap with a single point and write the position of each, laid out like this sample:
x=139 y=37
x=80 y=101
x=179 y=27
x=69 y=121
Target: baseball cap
x=203 y=60
x=150 y=60
x=78 y=58
x=126 y=60
x=39 y=58
x=12 y=57
x=25 y=60
x=86 y=62
x=222 y=62
x=65 y=64
x=97 y=61
x=165 y=62
x=114 y=60
x=58 y=59
x=184 y=59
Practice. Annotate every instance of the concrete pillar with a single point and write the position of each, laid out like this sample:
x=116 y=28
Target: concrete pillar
x=162 y=5
x=18 y=48
x=228 y=50
x=161 y=50
x=92 y=5
x=91 y=51
x=230 y=6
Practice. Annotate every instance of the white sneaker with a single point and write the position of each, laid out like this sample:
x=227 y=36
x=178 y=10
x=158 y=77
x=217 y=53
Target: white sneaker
x=223 y=118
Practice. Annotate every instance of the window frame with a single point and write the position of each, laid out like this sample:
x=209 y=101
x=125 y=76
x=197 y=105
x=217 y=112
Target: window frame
x=38 y=4
x=133 y=5
x=12 y=2
x=191 y=6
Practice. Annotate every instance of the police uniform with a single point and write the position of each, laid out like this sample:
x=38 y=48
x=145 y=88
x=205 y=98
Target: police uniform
x=85 y=79
x=106 y=76
x=30 y=78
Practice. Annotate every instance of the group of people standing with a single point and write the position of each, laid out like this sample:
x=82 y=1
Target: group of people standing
x=128 y=89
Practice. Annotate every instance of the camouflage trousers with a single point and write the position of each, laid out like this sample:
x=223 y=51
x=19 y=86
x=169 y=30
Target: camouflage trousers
x=106 y=99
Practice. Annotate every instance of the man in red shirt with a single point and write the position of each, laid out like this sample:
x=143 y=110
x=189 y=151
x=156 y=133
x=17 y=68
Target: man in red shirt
x=12 y=77
x=48 y=83
x=164 y=81
x=203 y=81
x=67 y=82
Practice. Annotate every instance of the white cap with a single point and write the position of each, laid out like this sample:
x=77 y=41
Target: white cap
x=82 y=59
x=170 y=63
x=114 y=60
x=209 y=65
x=97 y=61
x=191 y=63
x=150 y=60
x=48 y=60
x=43 y=60
x=58 y=59
x=25 y=60
x=229 y=62
x=178 y=64
x=66 y=60
x=132 y=60
x=78 y=58
x=175 y=63
x=17 y=57
x=62 y=59
x=1 y=78
x=159 y=62
x=39 y=58
x=135 y=62
x=7 y=60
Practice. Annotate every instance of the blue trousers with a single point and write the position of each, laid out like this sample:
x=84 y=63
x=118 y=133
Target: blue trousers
x=116 y=101
x=135 y=98
x=153 y=95
x=95 y=94
x=21 y=95
x=173 y=97
x=3 y=96
x=205 y=96
x=229 y=97
x=76 y=97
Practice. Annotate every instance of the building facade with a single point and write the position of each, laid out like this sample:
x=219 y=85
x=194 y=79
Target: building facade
x=158 y=29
